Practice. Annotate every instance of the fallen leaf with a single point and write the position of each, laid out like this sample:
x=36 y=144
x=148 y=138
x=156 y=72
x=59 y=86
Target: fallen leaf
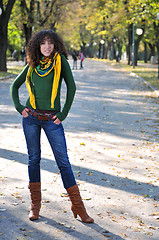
x=89 y=174
x=3 y=209
x=155 y=214
x=154 y=228
x=45 y=201
x=146 y=195
x=15 y=204
x=149 y=234
x=64 y=195
x=22 y=229
x=86 y=199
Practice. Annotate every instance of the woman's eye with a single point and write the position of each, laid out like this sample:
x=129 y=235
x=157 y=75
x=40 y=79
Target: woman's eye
x=43 y=43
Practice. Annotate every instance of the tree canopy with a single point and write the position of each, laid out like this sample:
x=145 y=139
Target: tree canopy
x=91 y=25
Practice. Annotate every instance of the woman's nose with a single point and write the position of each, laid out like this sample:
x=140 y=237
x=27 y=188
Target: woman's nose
x=47 y=45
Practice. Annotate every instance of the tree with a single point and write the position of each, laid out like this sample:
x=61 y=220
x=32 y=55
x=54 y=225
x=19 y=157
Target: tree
x=107 y=20
x=27 y=14
x=5 y=12
x=36 y=14
x=72 y=26
x=153 y=33
x=143 y=13
x=83 y=24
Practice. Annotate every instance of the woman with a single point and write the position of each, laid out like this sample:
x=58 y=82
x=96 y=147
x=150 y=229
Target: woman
x=47 y=66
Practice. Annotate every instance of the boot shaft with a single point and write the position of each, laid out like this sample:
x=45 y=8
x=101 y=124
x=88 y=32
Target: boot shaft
x=35 y=192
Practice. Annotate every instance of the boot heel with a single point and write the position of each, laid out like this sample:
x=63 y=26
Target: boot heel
x=78 y=205
x=75 y=215
x=74 y=212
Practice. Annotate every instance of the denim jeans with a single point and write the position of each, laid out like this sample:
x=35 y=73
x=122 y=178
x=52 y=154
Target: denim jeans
x=56 y=137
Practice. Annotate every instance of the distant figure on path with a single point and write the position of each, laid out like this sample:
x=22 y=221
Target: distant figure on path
x=22 y=52
x=74 y=56
x=47 y=67
x=15 y=55
x=81 y=58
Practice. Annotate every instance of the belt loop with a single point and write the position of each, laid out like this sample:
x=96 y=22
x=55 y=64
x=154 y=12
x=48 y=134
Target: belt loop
x=49 y=117
x=38 y=115
x=32 y=112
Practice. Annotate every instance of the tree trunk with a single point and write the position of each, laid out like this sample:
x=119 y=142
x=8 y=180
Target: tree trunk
x=4 y=18
x=107 y=50
x=118 y=55
x=137 y=42
x=158 y=52
x=112 y=50
x=103 y=51
x=29 y=12
x=145 y=52
x=3 y=46
x=152 y=49
x=129 y=43
x=52 y=26
x=99 y=50
x=27 y=32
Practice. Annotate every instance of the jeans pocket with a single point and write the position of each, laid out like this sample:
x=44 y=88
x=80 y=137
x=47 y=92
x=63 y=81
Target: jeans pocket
x=27 y=116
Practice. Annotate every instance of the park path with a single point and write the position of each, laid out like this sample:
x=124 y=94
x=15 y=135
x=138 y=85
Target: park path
x=113 y=145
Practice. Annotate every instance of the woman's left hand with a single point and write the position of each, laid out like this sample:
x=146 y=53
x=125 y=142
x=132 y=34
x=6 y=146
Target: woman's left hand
x=56 y=120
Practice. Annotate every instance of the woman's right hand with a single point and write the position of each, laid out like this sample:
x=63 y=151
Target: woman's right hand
x=25 y=112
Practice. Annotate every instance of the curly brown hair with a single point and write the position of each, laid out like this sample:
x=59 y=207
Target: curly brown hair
x=33 y=52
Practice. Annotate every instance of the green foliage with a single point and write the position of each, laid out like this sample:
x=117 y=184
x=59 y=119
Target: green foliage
x=15 y=41
x=84 y=23
x=15 y=30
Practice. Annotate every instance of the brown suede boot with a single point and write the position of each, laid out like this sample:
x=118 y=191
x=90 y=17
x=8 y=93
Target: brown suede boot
x=77 y=204
x=35 y=192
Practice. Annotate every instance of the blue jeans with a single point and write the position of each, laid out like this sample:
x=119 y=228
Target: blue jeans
x=56 y=137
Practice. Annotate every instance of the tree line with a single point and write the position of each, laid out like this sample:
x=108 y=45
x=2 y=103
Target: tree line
x=101 y=28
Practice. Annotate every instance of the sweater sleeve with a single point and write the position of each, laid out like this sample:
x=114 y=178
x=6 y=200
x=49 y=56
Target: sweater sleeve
x=70 y=86
x=14 y=89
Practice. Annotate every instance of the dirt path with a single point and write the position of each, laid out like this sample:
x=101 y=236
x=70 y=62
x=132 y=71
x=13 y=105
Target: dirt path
x=113 y=145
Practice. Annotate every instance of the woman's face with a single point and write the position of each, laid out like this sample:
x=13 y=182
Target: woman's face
x=46 y=47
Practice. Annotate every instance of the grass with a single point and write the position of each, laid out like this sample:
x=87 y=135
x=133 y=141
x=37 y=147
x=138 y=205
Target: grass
x=150 y=77
x=12 y=70
x=4 y=74
x=147 y=71
x=15 y=70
